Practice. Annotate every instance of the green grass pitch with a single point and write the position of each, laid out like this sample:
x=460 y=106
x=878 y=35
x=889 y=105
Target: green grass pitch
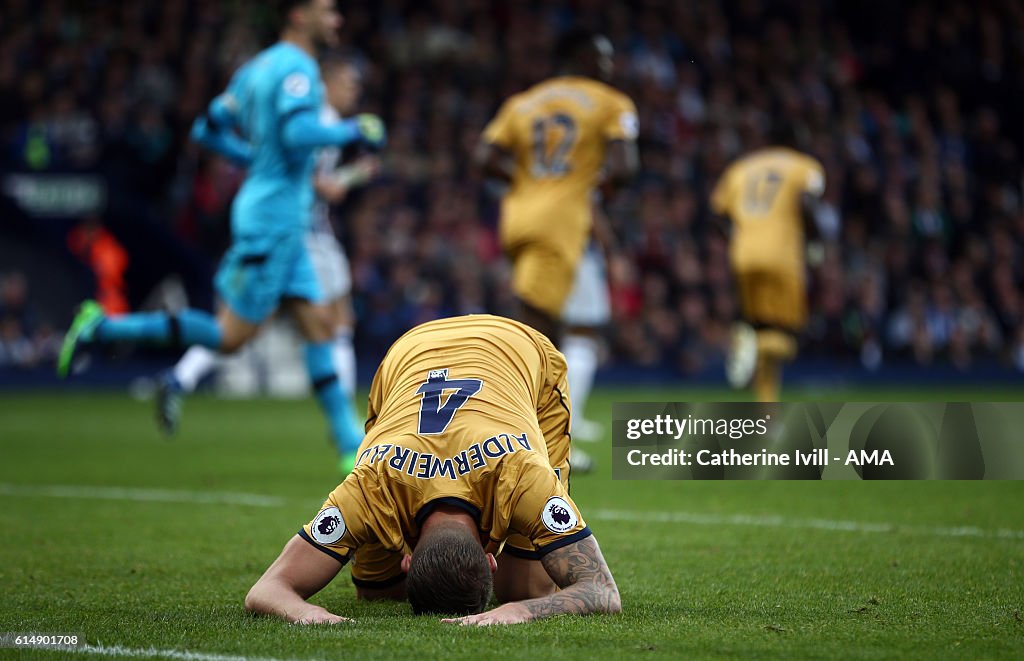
x=110 y=532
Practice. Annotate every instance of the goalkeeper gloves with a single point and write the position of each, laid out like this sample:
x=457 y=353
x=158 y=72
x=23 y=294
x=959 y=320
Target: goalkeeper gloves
x=371 y=130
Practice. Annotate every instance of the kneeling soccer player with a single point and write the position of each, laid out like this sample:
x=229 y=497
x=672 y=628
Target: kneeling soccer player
x=465 y=457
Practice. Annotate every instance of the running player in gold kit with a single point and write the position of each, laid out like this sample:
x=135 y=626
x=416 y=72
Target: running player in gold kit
x=556 y=145
x=465 y=457
x=769 y=195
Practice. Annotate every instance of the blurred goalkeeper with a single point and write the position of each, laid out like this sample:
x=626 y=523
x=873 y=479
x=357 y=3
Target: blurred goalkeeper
x=332 y=182
x=465 y=458
x=268 y=120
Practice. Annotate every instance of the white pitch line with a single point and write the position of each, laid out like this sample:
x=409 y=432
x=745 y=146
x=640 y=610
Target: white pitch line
x=141 y=495
x=768 y=521
x=636 y=516
x=149 y=652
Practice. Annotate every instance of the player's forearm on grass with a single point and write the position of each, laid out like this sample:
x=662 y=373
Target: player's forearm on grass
x=586 y=582
x=275 y=598
x=298 y=573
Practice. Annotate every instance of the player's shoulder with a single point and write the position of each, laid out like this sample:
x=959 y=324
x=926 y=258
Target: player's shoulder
x=527 y=473
x=243 y=75
x=600 y=91
x=292 y=71
x=612 y=95
x=811 y=174
x=287 y=57
x=246 y=68
x=770 y=156
x=530 y=482
x=794 y=160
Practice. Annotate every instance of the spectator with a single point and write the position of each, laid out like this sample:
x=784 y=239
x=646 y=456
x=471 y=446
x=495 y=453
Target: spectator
x=98 y=248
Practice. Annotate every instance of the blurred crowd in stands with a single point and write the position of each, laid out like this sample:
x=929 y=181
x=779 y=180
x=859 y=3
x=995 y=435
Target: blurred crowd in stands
x=25 y=339
x=915 y=108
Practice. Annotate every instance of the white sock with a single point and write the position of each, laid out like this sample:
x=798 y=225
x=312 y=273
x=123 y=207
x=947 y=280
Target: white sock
x=194 y=365
x=581 y=355
x=345 y=361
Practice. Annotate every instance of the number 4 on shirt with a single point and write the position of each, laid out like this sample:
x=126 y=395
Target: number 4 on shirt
x=435 y=416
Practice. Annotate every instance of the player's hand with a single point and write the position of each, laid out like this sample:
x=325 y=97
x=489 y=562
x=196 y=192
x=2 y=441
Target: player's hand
x=371 y=130
x=362 y=170
x=366 y=168
x=319 y=615
x=513 y=613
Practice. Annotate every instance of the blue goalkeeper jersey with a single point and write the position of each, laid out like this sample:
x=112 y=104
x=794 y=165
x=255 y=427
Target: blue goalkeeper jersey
x=277 y=195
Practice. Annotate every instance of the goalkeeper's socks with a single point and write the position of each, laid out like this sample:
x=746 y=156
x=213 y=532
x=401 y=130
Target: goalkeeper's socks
x=336 y=407
x=185 y=328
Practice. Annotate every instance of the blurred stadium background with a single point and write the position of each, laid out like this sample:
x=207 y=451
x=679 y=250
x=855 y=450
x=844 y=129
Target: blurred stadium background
x=914 y=108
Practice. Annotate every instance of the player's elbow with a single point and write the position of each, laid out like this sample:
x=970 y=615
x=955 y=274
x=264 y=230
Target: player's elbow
x=613 y=601
x=602 y=597
x=256 y=600
x=200 y=132
x=252 y=600
x=608 y=599
x=220 y=112
x=616 y=603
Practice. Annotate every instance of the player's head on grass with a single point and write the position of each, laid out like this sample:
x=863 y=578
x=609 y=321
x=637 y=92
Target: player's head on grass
x=449 y=573
x=312 y=22
x=585 y=53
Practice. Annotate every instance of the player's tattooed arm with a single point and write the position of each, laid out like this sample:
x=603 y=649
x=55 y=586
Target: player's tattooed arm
x=586 y=582
x=298 y=573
